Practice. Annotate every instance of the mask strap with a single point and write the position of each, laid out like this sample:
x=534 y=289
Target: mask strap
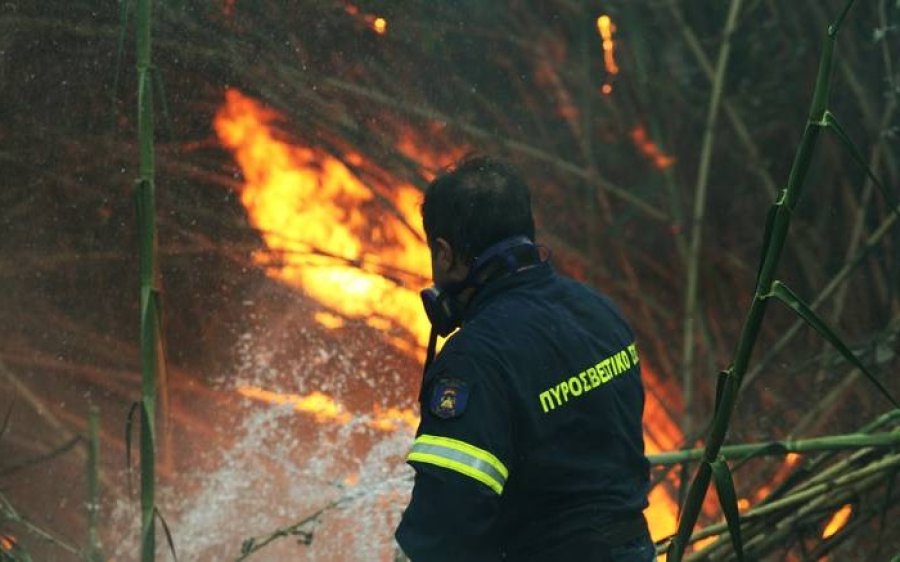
x=429 y=358
x=432 y=348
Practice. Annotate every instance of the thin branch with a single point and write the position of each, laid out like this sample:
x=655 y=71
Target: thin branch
x=693 y=256
x=780 y=448
x=8 y=512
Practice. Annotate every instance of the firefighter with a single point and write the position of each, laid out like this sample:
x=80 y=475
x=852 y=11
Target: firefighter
x=530 y=446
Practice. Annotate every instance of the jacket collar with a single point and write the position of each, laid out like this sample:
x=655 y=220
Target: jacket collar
x=525 y=276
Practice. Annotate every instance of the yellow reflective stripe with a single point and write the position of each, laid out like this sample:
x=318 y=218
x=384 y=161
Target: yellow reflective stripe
x=464 y=447
x=460 y=467
x=461 y=457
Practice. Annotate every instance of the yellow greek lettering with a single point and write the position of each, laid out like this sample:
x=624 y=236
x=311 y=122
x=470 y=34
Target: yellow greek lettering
x=595 y=378
x=584 y=382
x=632 y=351
x=575 y=386
x=605 y=370
x=601 y=373
x=622 y=359
x=546 y=401
x=554 y=390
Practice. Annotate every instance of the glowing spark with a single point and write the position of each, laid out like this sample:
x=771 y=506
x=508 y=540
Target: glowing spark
x=6 y=542
x=837 y=521
x=380 y=26
x=606 y=28
x=649 y=148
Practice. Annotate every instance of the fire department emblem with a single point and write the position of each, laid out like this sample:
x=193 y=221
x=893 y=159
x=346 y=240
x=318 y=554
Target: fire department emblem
x=449 y=398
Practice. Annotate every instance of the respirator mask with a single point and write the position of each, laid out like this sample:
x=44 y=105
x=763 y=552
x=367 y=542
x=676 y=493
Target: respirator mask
x=442 y=304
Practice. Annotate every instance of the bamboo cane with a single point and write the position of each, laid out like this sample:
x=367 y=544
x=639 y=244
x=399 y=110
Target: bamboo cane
x=777 y=229
x=146 y=204
x=693 y=258
x=833 y=490
x=791 y=493
x=829 y=443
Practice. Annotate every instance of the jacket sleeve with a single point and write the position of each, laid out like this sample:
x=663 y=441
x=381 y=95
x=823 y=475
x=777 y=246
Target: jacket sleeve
x=462 y=456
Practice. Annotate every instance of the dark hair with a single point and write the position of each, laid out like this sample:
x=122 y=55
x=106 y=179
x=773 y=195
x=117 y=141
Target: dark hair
x=475 y=204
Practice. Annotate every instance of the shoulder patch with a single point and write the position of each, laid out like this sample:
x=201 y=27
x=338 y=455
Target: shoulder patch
x=449 y=398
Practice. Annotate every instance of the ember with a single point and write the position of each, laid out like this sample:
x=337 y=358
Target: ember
x=649 y=149
x=837 y=521
x=605 y=28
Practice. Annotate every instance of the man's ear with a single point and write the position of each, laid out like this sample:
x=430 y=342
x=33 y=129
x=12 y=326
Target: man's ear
x=443 y=254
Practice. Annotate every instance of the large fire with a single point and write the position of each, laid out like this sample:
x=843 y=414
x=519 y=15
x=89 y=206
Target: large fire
x=327 y=232
x=329 y=235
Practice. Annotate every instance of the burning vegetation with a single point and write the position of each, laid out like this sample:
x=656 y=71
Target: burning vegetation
x=292 y=148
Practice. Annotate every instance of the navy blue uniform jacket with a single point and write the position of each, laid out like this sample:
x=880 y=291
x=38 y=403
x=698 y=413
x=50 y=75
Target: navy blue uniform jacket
x=531 y=435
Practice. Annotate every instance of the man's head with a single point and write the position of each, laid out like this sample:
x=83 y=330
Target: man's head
x=474 y=205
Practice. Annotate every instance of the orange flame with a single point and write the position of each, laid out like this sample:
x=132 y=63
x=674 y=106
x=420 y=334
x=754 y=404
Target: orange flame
x=322 y=406
x=329 y=235
x=790 y=462
x=326 y=409
x=329 y=320
x=837 y=521
x=649 y=149
x=327 y=232
x=377 y=23
x=660 y=434
x=606 y=28
x=7 y=542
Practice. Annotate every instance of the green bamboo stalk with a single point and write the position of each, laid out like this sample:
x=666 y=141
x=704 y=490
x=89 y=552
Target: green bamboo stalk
x=146 y=204
x=738 y=124
x=874 y=239
x=822 y=499
x=828 y=443
x=777 y=229
x=830 y=491
x=693 y=258
x=94 y=552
